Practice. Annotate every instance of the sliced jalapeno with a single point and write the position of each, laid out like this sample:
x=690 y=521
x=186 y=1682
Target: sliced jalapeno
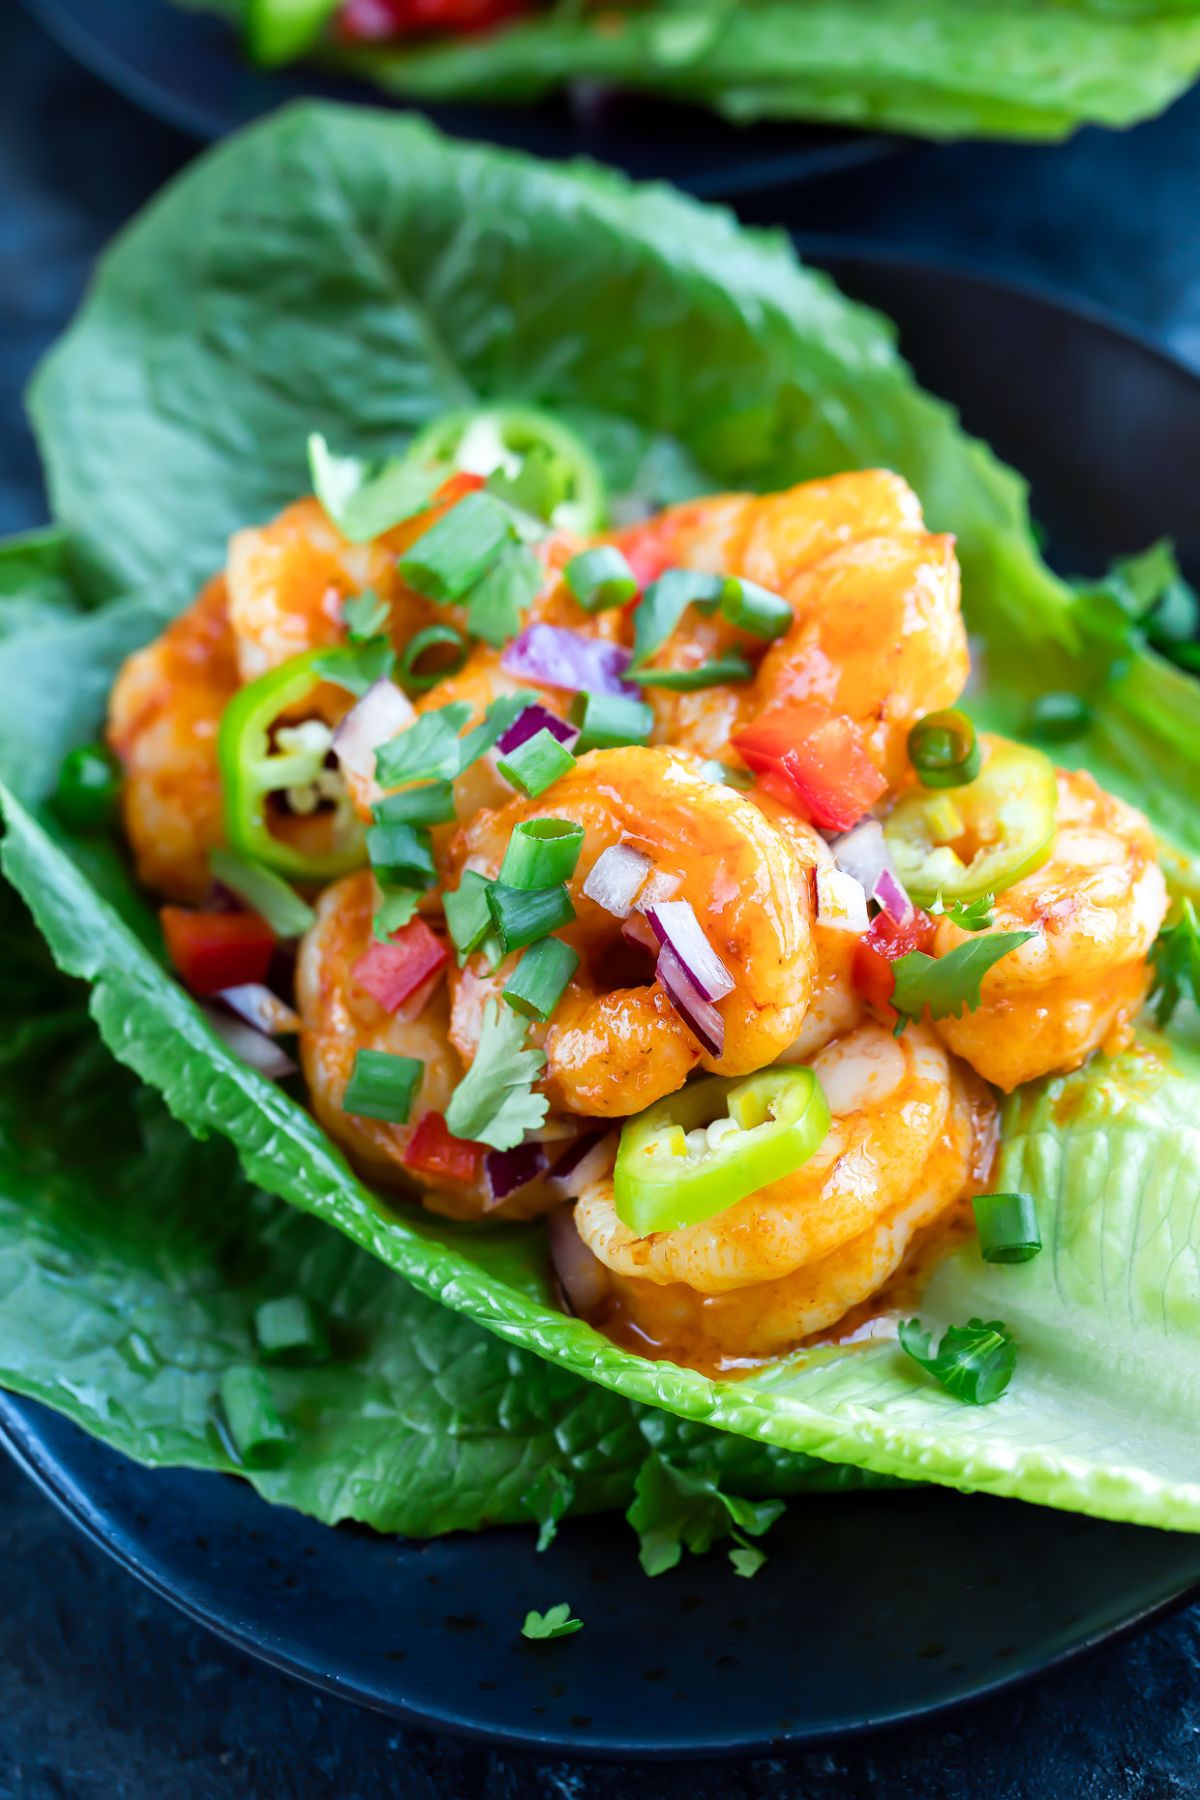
x=982 y=838
x=255 y=764
x=708 y=1146
x=498 y=440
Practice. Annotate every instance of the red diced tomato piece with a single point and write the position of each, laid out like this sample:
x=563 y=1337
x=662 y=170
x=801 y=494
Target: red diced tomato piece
x=457 y=486
x=881 y=946
x=375 y=21
x=433 y=1150
x=393 y=971
x=813 y=761
x=216 y=950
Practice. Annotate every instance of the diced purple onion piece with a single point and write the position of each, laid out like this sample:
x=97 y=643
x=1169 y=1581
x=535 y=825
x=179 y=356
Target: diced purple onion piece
x=615 y=878
x=262 y=1053
x=635 y=930
x=527 y=724
x=553 y=656
x=382 y=712
x=890 y=892
x=507 y=1170
x=675 y=925
x=695 y=1011
x=862 y=852
x=582 y=1276
x=587 y=1159
x=254 y=1002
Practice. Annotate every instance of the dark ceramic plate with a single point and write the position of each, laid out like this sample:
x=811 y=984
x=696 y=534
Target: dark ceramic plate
x=187 y=68
x=874 y=1608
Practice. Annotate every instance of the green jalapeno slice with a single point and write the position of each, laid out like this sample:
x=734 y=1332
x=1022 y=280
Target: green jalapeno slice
x=496 y=440
x=981 y=838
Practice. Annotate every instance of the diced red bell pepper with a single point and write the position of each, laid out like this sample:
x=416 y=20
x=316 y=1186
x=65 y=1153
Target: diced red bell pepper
x=882 y=944
x=216 y=950
x=433 y=1150
x=814 y=762
x=375 y=21
x=392 y=971
x=455 y=487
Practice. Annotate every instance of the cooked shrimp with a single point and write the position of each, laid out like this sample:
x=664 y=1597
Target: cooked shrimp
x=906 y=1135
x=613 y=1049
x=1096 y=906
x=338 y=1019
x=164 y=714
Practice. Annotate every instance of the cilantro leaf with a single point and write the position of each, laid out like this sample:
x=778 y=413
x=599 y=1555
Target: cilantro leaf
x=538 y=486
x=1142 y=597
x=427 y=750
x=365 y=616
x=366 y=499
x=493 y=1103
x=496 y=721
x=356 y=667
x=396 y=908
x=948 y=984
x=974 y=1362
x=674 y=1510
x=1176 y=957
x=496 y=602
x=968 y=915
x=548 y=1500
x=747 y=1560
x=555 y=1622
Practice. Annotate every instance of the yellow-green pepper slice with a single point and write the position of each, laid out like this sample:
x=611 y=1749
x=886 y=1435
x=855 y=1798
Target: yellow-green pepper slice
x=708 y=1146
x=493 y=438
x=253 y=767
x=980 y=838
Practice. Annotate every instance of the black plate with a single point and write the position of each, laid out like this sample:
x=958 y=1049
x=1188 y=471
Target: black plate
x=876 y=1607
x=186 y=67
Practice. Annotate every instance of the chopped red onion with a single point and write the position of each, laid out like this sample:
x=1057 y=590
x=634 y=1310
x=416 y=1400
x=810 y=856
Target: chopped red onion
x=695 y=1011
x=588 y=1159
x=890 y=892
x=635 y=930
x=862 y=852
x=382 y=712
x=262 y=1053
x=554 y=657
x=507 y=1170
x=258 y=1006
x=675 y=924
x=581 y=1275
x=527 y=724
x=615 y=878
x=841 y=902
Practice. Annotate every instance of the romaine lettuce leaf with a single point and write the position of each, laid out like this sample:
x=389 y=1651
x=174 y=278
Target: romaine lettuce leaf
x=355 y=274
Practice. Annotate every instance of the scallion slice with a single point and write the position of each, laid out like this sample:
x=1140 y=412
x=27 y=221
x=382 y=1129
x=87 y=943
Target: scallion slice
x=381 y=1086
x=522 y=915
x=943 y=749
x=1058 y=718
x=255 y=1429
x=538 y=982
x=459 y=547
x=288 y=1330
x=541 y=853
x=754 y=609
x=606 y=721
x=689 y=681
x=264 y=892
x=536 y=763
x=401 y=856
x=664 y=603
x=432 y=803
x=600 y=578
x=468 y=916
x=1007 y=1226
x=421 y=671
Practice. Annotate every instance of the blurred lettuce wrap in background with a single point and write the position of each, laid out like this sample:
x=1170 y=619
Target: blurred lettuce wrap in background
x=354 y=274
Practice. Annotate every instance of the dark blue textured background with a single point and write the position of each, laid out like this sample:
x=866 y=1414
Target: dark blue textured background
x=105 y=1693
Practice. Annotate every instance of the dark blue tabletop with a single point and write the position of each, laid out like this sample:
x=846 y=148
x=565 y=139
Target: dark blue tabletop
x=104 y=1690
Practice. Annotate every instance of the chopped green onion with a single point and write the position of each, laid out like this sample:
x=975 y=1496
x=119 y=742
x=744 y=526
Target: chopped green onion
x=522 y=915
x=264 y=892
x=944 y=750
x=689 y=681
x=89 y=784
x=382 y=1086
x=459 y=547
x=538 y=982
x=754 y=609
x=401 y=856
x=1007 y=1226
x=419 y=678
x=255 y=1429
x=534 y=765
x=432 y=803
x=497 y=601
x=664 y=603
x=468 y=915
x=365 y=616
x=600 y=578
x=288 y=1330
x=1057 y=718
x=541 y=853
x=608 y=720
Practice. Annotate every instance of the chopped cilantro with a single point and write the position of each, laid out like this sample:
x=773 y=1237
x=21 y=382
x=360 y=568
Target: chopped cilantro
x=1176 y=956
x=555 y=1622
x=968 y=915
x=396 y=907
x=664 y=603
x=539 y=485
x=948 y=984
x=674 y=1510
x=548 y=1500
x=427 y=750
x=494 y=1103
x=973 y=1362
x=747 y=1559
x=365 y=616
x=499 y=598
x=366 y=499
x=1142 y=597
x=356 y=667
